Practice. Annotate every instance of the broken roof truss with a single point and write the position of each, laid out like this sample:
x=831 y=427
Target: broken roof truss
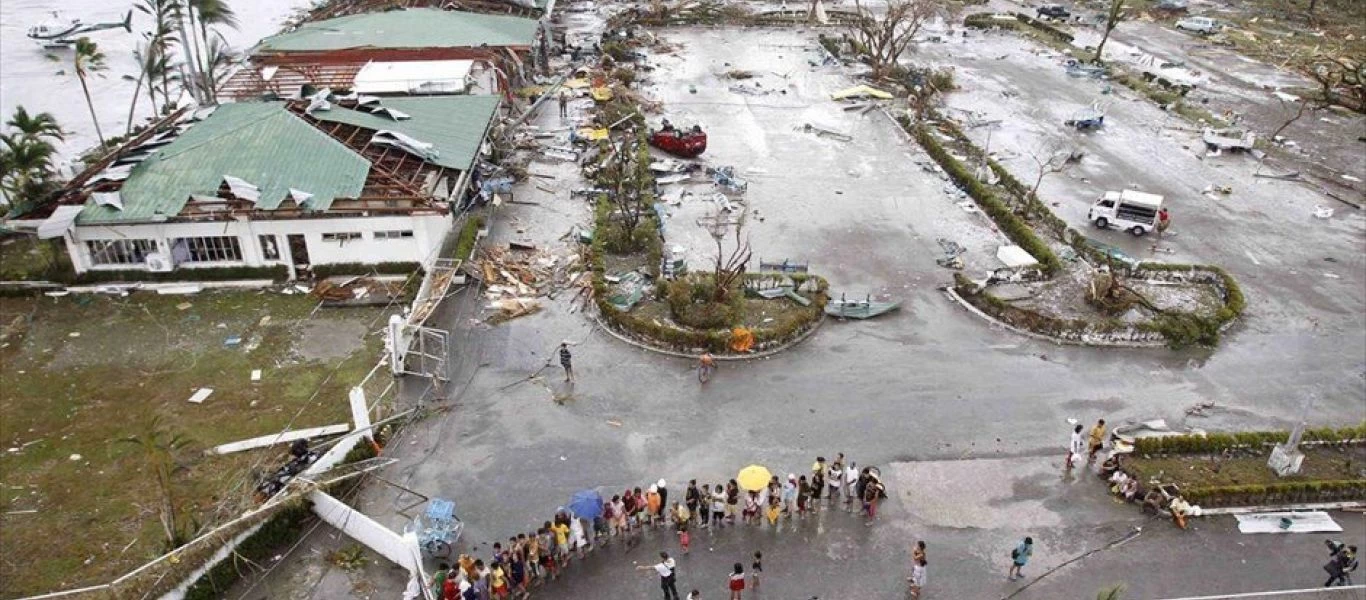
x=397 y=182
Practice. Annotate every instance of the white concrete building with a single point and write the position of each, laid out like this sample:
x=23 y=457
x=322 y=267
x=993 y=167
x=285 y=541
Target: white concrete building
x=275 y=184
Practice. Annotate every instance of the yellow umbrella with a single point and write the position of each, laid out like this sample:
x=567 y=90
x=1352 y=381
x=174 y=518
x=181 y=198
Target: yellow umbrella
x=753 y=478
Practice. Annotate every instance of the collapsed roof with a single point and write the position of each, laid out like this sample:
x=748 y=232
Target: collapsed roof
x=287 y=158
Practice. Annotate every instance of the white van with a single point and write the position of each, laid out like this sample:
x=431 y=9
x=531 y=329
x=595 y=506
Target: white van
x=1204 y=25
x=1132 y=211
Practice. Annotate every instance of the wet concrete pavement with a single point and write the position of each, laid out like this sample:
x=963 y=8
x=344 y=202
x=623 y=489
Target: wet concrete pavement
x=967 y=421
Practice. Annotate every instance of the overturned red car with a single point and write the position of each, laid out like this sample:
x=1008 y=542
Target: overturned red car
x=686 y=143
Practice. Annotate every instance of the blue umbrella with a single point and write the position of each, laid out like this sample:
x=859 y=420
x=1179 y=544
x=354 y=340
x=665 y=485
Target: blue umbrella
x=586 y=504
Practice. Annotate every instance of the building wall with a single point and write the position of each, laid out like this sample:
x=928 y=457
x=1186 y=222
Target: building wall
x=428 y=234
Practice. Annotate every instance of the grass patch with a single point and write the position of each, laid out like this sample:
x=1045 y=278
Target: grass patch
x=140 y=356
x=1325 y=464
x=469 y=234
x=27 y=258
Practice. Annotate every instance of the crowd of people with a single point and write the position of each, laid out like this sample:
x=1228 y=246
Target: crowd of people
x=529 y=560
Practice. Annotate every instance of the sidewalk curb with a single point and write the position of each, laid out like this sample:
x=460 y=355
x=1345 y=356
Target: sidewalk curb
x=953 y=295
x=1243 y=510
x=727 y=357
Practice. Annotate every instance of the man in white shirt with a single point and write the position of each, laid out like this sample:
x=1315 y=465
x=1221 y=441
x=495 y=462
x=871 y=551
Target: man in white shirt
x=1077 y=446
x=667 y=578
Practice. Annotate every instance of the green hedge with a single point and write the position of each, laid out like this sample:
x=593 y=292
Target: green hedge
x=1045 y=28
x=985 y=20
x=282 y=529
x=1013 y=226
x=274 y=273
x=1256 y=441
x=1287 y=492
x=469 y=234
x=1187 y=329
x=384 y=268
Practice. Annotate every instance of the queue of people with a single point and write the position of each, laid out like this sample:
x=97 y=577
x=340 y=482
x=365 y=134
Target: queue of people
x=529 y=560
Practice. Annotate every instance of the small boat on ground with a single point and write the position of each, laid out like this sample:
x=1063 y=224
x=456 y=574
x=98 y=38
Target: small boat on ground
x=859 y=309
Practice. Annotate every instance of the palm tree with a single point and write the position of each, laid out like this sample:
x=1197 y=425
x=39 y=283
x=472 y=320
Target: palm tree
x=211 y=12
x=140 y=53
x=24 y=161
x=89 y=59
x=218 y=59
x=158 y=448
x=156 y=60
x=41 y=125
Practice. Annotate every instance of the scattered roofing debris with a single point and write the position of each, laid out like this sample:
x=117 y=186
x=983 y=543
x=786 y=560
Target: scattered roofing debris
x=357 y=291
x=861 y=91
x=515 y=279
x=953 y=254
x=200 y=395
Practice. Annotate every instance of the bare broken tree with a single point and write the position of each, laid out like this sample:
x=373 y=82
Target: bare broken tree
x=886 y=37
x=1301 y=104
x=630 y=186
x=1050 y=158
x=729 y=267
x=1113 y=17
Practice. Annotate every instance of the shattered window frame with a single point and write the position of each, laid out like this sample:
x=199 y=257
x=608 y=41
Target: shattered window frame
x=120 y=252
x=342 y=237
x=212 y=249
x=270 y=246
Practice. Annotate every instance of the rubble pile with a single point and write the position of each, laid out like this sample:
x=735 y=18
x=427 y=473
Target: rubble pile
x=515 y=279
x=357 y=291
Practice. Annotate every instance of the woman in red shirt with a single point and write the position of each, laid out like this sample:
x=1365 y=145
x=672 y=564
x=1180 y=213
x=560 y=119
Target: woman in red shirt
x=737 y=582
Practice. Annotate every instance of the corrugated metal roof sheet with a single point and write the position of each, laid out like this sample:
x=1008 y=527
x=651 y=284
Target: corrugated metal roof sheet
x=260 y=142
x=455 y=125
x=406 y=28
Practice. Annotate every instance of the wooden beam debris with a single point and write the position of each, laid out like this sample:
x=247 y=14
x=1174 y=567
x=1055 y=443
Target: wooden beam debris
x=279 y=438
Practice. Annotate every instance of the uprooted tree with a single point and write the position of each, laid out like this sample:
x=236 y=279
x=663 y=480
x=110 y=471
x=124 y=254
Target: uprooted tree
x=1341 y=80
x=884 y=38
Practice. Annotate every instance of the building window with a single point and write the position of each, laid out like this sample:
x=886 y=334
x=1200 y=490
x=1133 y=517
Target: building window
x=393 y=235
x=342 y=237
x=270 y=250
x=120 y=252
x=206 y=249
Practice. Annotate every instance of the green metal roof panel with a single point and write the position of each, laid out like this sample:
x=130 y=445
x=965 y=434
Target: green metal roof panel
x=455 y=125
x=260 y=142
x=406 y=28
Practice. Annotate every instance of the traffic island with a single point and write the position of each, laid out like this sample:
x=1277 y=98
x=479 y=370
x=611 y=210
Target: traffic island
x=1071 y=289
x=1221 y=470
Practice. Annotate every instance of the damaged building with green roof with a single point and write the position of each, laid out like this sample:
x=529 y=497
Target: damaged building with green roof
x=335 y=179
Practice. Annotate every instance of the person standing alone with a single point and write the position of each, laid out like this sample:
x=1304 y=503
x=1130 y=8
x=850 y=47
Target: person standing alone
x=667 y=578
x=567 y=361
x=1074 y=448
x=1019 y=557
x=564 y=104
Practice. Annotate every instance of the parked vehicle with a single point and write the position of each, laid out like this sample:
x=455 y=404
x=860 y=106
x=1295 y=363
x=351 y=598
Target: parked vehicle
x=1053 y=11
x=1198 y=24
x=1129 y=210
